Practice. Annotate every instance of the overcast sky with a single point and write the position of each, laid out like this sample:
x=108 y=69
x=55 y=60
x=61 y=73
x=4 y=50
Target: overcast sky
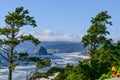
x=66 y=20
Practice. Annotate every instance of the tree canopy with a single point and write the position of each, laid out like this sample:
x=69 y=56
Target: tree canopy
x=12 y=37
x=96 y=34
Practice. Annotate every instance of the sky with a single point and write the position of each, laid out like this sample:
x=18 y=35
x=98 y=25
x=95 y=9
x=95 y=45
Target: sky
x=64 y=20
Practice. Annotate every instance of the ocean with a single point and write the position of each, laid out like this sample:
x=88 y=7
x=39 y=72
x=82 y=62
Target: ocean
x=57 y=59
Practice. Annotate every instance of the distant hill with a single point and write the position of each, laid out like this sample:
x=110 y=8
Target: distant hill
x=52 y=47
x=63 y=47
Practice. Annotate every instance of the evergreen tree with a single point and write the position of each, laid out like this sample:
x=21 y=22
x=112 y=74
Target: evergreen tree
x=96 y=34
x=14 y=22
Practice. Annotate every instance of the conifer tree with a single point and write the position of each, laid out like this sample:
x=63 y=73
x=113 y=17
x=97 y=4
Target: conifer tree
x=96 y=34
x=12 y=37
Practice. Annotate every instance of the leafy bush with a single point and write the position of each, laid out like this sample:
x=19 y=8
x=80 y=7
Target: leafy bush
x=55 y=69
x=110 y=74
x=105 y=76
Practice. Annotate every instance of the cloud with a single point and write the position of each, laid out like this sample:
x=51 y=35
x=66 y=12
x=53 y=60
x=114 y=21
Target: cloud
x=48 y=35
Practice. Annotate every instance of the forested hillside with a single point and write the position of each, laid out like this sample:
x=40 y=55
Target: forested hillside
x=52 y=47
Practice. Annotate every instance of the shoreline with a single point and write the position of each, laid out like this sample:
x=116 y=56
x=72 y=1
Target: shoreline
x=50 y=77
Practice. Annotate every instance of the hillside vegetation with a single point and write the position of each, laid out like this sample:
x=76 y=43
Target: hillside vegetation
x=104 y=53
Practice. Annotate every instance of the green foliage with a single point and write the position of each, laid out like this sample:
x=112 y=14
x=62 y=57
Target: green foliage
x=105 y=76
x=109 y=74
x=48 y=73
x=85 y=70
x=12 y=66
x=55 y=69
x=34 y=59
x=43 y=63
x=14 y=22
x=40 y=64
x=103 y=52
x=108 y=53
x=40 y=75
x=97 y=32
x=64 y=73
x=30 y=37
x=20 y=18
x=99 y=65
x=23 y=56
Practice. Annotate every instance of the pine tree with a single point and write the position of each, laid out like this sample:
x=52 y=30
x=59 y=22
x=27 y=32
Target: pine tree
x=12 y=37
x=96 y=34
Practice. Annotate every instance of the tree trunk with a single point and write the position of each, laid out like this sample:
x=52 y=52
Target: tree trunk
x=10 y=63
x=10 y=70
x=11 y=54
x=91 y=48
x=10 y=75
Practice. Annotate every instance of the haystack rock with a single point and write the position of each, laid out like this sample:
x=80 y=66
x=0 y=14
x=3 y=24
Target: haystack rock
x=41 y=51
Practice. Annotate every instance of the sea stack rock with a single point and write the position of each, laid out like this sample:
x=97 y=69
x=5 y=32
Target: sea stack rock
x=41 y=51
